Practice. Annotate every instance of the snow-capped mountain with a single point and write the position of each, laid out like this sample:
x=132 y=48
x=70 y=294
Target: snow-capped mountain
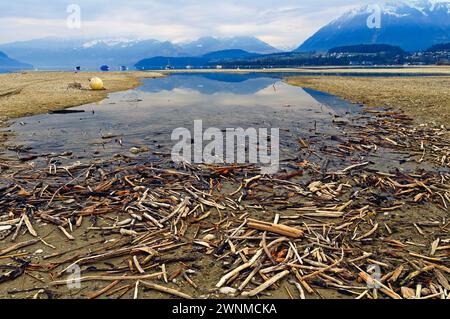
x=211 y=44
x=90 y=53
x=413 y=25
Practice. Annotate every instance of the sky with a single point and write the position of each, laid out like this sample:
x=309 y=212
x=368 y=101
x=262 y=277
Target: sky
x=282 y=23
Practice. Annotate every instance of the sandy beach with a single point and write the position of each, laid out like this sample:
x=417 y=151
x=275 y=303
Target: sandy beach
x=234 y=158
x=425 y=99
x=354 y=190
x=30 y=93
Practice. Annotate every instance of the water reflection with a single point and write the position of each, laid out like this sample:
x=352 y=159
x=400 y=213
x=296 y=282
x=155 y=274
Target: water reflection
x=211 y=83
x=146 y=116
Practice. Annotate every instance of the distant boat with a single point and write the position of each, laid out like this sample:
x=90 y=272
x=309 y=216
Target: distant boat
x=123 y=68
x=104 y=68
x=168 y=66
x=188 y=67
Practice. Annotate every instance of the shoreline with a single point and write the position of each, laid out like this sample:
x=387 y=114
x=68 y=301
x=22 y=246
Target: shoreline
x=426 y=70
x=371 y=192
x=424 y=99
x=33 y=93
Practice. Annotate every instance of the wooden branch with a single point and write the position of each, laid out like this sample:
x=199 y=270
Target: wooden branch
x=266 y=285
x=237 y=270
x=18 y=246
x=105 y=278
x=12 y=92
x=166 y=290
x=275 y=228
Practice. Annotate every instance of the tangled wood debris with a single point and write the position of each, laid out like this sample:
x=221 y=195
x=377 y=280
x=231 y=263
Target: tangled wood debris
x=155 y=225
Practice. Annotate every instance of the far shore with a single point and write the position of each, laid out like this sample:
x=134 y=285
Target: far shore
x=438 y=70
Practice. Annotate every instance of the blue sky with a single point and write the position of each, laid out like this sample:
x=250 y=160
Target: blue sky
x=282 y=23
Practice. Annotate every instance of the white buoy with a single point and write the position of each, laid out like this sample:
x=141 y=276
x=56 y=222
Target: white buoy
x=96 y=83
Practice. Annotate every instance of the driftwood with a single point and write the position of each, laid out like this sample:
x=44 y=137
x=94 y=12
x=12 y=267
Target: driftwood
x=18 y=246
x=12 y=92
x=323 y=222
x=104 y=278
x=166 y=290
x=267 y=284
x=275 y=228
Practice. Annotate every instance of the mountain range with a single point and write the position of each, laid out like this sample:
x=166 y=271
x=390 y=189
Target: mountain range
x=91 y=53
x=8 y=64
x=413 y=25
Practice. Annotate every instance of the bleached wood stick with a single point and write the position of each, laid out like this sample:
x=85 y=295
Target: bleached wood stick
x=29 y=226
x=66 y=233
x=275 y=228
x=166 y=290
x=237 y=270
x=18 y=246
x=266 y=285
x=388 y=291
x=106 y=278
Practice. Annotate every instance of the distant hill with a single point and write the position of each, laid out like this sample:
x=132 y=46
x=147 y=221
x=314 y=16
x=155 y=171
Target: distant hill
x=91 y=53
x=413 y=25
x=8 y=64
x=443 y=47
x=209 y=59
x=369 y=48
x=361 y=54
x=229 y=54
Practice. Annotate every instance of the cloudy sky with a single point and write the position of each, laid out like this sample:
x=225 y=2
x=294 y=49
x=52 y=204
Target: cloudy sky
x=282 y=23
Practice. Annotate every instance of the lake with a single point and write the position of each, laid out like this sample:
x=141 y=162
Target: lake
x=146 y=117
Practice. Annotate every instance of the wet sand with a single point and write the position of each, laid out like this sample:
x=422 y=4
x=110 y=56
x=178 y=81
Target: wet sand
x=352 y=219
x=365 y=214
x=425 y=99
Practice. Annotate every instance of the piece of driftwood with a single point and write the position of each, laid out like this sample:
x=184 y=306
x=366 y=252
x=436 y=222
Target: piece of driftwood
x=18 y=246
x=166 y=290
x=266 y=285
x=105 y=278
x=11 y=92
x=275 y=228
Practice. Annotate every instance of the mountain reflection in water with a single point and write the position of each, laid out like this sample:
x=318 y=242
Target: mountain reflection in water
x=146 y=116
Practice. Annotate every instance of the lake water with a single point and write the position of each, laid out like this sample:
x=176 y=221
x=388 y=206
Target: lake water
x=147 y=116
